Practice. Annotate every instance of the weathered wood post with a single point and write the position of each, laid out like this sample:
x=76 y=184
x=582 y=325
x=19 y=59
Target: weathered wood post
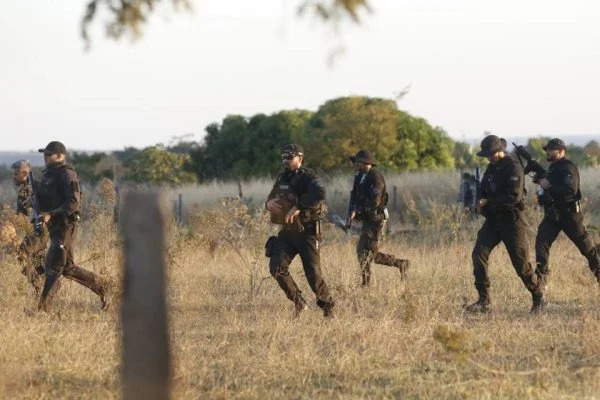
x=180 y=209
x=116 y=208
x=145 y=340
x=240 y=190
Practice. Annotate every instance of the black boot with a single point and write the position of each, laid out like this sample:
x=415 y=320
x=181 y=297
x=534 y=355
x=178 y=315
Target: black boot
x=481 y=306
x=328 y=311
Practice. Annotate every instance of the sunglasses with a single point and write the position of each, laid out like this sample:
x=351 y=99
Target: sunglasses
x=287 y=156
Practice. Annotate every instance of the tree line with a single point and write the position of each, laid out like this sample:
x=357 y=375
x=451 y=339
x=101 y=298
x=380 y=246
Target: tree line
x=241 y=147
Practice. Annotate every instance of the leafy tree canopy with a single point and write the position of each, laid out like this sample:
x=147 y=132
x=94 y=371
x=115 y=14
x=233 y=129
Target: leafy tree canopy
x=154 y=165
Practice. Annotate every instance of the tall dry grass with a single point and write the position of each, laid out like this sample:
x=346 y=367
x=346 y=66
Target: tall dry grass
x=233 y=334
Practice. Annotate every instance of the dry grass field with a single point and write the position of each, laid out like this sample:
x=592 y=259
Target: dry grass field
x=233 y=335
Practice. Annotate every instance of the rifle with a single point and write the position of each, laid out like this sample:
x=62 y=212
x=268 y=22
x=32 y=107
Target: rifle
x=532 y=165
x=36 y=218
x=543 y=197
x=349 y=214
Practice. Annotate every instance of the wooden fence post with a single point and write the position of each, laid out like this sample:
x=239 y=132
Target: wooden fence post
x=180 y=209
x=116 y=208
x=145 y=346
x=240 y=190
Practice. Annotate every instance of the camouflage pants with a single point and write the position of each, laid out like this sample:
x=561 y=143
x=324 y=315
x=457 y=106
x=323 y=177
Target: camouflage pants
x=572 y=225
x=31 y=254
x=59 y=262
x=511 y=231
x=367 y=250
x=290 y=243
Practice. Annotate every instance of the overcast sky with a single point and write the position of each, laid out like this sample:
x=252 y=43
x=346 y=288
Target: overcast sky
x=512 y=67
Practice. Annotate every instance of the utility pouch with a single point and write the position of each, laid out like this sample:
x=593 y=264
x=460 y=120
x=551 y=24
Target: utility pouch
x=269 y=246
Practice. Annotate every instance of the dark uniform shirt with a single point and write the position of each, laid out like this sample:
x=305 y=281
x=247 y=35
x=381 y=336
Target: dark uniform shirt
x=502 y=186
x=308 y=190
x=369 y=191
x=564 y=182
x=59 y=194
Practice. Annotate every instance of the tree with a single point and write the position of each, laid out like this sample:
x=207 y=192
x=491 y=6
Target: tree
x=535 y=147
x=464 y=155
x=345 y=125
x=85 y=164
x=270 y=133
x=154 y=165
x=128 y=16
x=126 y=154
x=421 y=146
x=226 y=152
x=592 y=154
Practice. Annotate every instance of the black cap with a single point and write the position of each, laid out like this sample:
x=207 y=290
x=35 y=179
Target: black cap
x=364 y=156
x=292 y=150
x=555 y=144
x=490 y=145
x=54 y=147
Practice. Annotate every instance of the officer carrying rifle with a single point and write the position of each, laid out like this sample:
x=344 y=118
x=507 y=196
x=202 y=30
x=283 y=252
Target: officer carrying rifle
x=368 y=201
x=560 y=195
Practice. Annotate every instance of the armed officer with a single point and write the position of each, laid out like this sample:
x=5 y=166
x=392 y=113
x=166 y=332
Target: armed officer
x=32 y=250
x=368 y=201
x=60 y=202
x=502 y=200
x=300 y=234
x=561 y=211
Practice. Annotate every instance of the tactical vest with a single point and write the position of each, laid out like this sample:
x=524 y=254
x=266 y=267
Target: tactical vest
x=286 y=199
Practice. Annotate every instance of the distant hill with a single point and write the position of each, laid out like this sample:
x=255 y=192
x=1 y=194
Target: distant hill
x=9 y=157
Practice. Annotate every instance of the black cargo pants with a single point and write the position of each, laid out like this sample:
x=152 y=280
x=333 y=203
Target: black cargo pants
x=367 y=249
x=290 y=243
x=571 y=223
x=510 y=229
x=59 y=261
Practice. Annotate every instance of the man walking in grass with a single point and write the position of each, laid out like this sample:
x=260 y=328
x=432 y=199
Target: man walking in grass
x=368 y=201
x=502 y=201
x=60 y=202
x=297 y=203
x=562 y=211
